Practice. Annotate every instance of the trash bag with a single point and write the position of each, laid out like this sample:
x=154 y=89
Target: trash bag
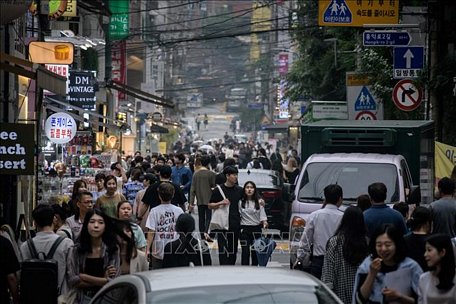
x=264 y=247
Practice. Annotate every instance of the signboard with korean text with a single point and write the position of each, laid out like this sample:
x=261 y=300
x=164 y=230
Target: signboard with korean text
x=59 y=69
x=119 y=65
x=283 y=64
x=329 y=110
x=357 y=12
x=60 y=128
x=386 y=38
x=17 y=149
x=81 y=89
x=362 y=103
x=119 y=23
x=408 y=61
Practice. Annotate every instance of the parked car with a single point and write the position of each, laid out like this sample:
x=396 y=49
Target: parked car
x=274 y=192
x=226 y=284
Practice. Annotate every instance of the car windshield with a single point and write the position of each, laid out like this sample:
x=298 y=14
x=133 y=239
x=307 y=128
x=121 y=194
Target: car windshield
x=245 y=294
x=354 y=178
x=260 y=179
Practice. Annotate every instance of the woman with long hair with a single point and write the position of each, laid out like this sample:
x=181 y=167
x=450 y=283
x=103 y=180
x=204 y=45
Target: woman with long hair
x=291 y=171
x=420 y=224
x=109 y=200
x=125 y=213
x=439 y=284
x=253 y=218
x=344 y=253
x=94 y=260
x=186 y=249
x=379 y=274
x=131 y=259
x=78 y=187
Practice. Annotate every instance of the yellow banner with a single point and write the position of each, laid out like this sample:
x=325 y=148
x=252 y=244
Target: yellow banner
x=445 y=160
x=162 y=147
x=357 y=12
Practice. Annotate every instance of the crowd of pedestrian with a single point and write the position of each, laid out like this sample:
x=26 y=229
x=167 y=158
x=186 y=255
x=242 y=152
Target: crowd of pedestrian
x=371 y=253
x=140 y=218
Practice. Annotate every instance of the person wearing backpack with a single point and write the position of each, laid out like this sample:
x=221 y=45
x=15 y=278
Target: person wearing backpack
x=41 y=256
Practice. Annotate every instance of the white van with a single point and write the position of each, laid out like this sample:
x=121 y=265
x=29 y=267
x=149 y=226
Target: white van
x=354 y=172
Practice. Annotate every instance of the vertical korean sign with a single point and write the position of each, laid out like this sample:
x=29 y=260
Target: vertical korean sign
x=118 y=25
x=119 y=65
x=283 y=64
x=17 y=149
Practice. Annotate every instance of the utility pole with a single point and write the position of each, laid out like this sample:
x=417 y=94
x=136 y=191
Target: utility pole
x=435 y=17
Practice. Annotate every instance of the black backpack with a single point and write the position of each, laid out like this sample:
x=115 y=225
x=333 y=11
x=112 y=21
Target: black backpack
x=39 y=276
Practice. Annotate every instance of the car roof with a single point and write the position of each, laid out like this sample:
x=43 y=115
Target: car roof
x=355 y=157
x=189 y=277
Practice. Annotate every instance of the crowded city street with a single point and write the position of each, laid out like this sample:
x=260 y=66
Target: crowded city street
x=227 y=151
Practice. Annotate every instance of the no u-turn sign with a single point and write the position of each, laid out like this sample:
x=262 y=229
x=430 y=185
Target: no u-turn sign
x=406 y=96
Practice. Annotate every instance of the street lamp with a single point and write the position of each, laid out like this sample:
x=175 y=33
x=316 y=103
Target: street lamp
x=335 y=49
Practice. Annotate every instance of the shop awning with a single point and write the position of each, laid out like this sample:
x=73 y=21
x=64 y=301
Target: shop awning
x=91 y=113
x=44 y=78
x=277 y=127
x=79 y=118
x=140 y=94
x=158 y=129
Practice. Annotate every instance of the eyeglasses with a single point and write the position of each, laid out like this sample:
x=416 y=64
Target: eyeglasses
x=87 y=202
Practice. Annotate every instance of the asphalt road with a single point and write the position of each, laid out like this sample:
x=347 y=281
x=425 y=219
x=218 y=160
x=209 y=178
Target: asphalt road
x=280 y=257
x=218 y=122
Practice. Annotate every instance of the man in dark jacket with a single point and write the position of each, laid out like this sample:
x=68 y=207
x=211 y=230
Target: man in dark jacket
x=151 y=196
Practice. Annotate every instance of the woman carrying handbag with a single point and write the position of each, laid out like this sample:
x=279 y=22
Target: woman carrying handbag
x=253 y=219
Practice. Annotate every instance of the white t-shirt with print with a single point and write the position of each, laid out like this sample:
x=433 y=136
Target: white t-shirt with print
x=162 y=220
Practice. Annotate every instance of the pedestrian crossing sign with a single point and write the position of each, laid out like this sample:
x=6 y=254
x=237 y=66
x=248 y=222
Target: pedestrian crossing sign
x=365 y=101
x=357 y=12
x=338 y=12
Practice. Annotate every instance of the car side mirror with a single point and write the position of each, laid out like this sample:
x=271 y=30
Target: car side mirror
x=415 y=196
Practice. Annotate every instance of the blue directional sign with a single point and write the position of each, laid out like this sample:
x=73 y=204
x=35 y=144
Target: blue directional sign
x=338 y=12
x=386 y=38
x=408 y=61
x=365 y=101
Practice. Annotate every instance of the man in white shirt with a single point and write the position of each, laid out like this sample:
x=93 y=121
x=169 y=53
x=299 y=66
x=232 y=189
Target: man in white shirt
x=161 y=223
x=321 y=225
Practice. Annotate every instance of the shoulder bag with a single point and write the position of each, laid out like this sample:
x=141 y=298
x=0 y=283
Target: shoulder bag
x=220 y=216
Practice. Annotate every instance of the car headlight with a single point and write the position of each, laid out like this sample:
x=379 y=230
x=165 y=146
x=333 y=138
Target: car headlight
x=297 y=228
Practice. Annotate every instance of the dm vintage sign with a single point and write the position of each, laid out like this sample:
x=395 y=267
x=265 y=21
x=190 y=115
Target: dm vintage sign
x=60 y=128
x=17 y=146
x=81 y=90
